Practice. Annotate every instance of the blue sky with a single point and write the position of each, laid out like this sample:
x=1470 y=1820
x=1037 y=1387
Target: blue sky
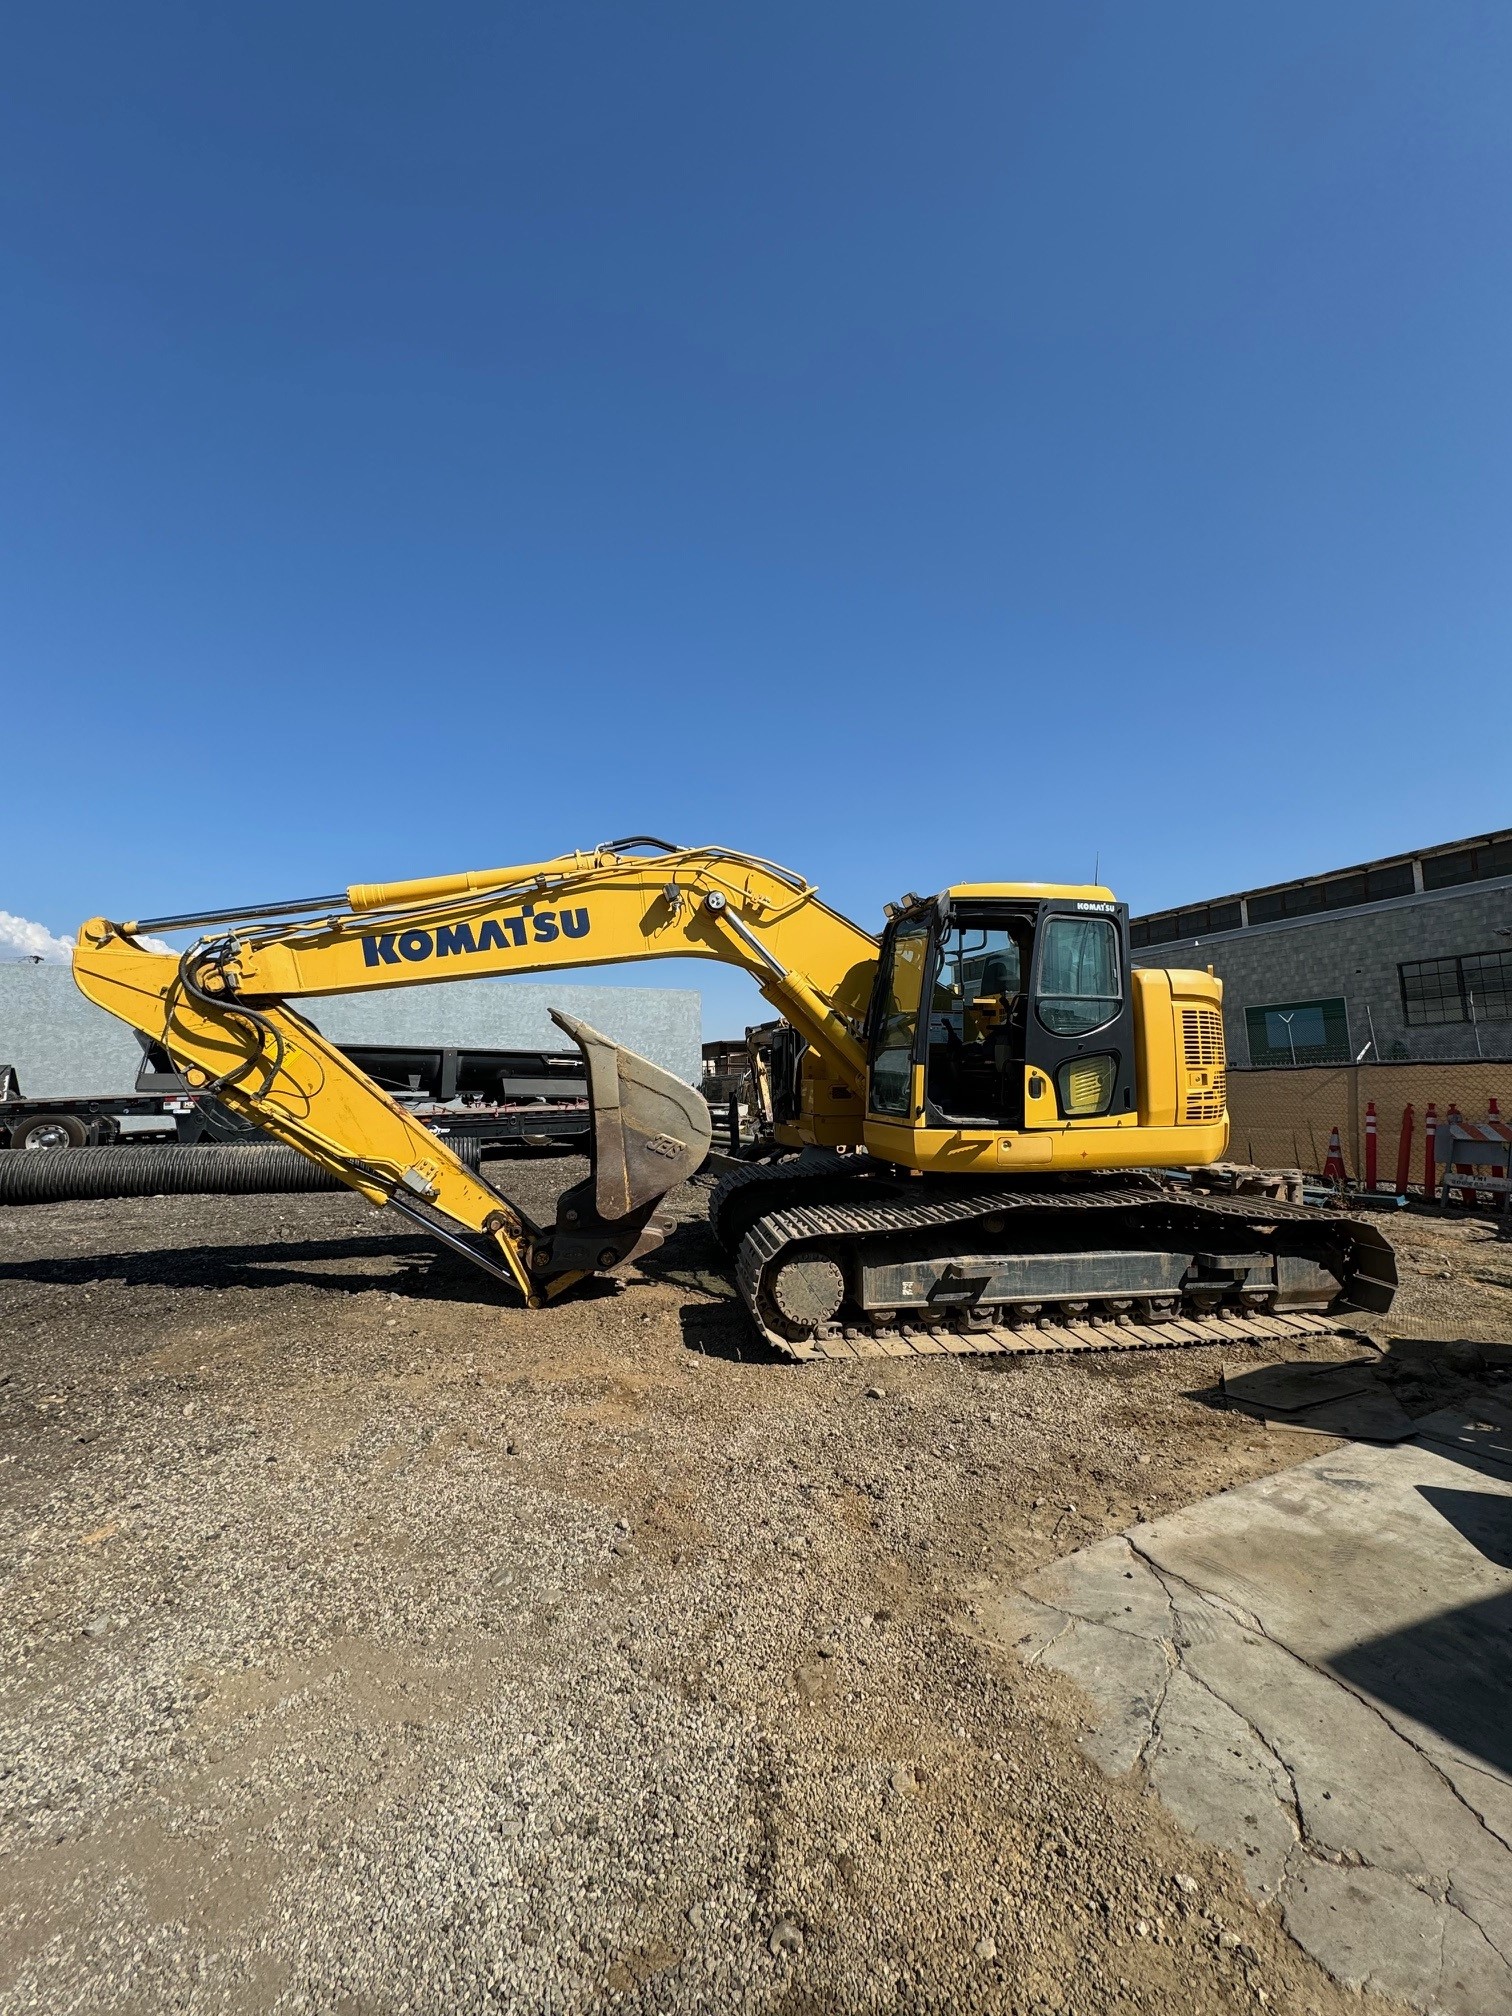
x=911 y=443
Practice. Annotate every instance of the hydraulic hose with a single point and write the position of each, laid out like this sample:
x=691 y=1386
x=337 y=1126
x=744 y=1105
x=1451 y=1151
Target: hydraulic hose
x=54 y=1175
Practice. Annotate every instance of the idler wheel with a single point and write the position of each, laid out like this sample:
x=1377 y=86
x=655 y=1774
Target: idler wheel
x=809 y=1288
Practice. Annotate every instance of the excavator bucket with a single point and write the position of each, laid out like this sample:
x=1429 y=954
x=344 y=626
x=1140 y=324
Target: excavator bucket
x=650 y=1133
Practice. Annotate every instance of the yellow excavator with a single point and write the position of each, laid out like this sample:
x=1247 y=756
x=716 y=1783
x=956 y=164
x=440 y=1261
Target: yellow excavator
x=971 y=1116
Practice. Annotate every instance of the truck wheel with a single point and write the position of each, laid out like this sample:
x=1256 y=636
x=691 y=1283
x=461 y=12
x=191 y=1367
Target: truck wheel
x=50 y=1130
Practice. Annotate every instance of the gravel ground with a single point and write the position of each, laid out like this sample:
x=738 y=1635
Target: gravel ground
x=368 y=1646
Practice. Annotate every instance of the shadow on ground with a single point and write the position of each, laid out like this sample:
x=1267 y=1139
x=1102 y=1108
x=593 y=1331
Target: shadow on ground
x=1449 y=1672
x=724 y=1330
x=401 y=1264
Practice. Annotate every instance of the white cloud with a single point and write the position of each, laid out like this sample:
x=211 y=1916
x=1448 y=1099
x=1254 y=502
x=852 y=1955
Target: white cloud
x=20 y=938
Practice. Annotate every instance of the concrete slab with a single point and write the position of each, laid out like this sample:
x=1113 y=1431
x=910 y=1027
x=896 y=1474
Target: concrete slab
x=1311 y=1672
x=1483 y=1437
x=1327 y=1399
x=1216 y=1775
x=1286 y=1388
x=1362 y=1417
x=1359 y=1561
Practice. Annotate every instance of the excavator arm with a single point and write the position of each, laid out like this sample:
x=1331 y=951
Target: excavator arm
x=223 y=1012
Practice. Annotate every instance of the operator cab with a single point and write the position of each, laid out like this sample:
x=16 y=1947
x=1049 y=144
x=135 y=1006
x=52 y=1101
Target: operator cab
x=1003 y=1010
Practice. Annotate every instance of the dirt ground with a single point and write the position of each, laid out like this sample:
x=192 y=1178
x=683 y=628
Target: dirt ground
x=369 y=1646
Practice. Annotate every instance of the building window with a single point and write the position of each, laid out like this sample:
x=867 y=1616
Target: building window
x=1476 y=988
x=1468 y=864
x=1431 y=993
x=1345 y=892
x=1381 y=884
x=1178 y=924
x=1485 y=860
x=1299 y=1032
x=1488 y=985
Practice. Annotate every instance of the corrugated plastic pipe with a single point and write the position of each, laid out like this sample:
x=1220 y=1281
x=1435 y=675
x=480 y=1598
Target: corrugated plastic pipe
x=54 y=1175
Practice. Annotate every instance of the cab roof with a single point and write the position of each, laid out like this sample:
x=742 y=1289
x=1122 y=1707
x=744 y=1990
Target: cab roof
x=986 y=892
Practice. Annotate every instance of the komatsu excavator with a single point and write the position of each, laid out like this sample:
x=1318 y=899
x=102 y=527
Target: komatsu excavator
x=970 y=1114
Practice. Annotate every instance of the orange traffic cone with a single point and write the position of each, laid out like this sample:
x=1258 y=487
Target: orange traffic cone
x=1333 y=1169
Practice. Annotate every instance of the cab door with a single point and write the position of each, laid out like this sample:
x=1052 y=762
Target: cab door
x=895 y=1020
x=1079 y=1033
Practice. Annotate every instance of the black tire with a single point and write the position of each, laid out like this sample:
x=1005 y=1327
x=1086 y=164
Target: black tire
x=46 y=1131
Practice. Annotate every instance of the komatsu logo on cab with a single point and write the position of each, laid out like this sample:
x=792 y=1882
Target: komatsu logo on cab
x=493 y=934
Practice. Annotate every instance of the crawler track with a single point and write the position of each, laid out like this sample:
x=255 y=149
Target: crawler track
x=842 y=1213
x=1069 y=1336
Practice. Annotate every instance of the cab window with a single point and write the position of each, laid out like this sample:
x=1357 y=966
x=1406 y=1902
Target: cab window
x=902 y=991
x=976 y=1022
x=1079 y=986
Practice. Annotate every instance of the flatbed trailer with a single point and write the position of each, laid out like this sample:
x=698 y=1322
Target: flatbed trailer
x=494 y=1097
x=84 y=1120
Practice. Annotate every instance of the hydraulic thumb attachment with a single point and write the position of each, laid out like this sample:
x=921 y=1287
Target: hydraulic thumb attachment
x=267 y=1063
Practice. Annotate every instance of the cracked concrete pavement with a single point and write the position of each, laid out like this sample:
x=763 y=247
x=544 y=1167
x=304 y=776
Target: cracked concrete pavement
x=1309 y=1672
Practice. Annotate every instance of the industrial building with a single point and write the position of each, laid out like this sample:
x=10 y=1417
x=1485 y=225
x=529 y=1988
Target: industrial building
x=59 y=1043
x=1405 y=958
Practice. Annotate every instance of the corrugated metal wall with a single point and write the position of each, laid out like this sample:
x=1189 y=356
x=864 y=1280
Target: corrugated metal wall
x=61 y=1043
x=1282 y=1119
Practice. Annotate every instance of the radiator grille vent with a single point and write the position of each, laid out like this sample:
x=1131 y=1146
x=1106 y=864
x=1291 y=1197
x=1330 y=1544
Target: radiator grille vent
x=1205 y=1103
x=1202 y=1047
x=1202 y=1034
